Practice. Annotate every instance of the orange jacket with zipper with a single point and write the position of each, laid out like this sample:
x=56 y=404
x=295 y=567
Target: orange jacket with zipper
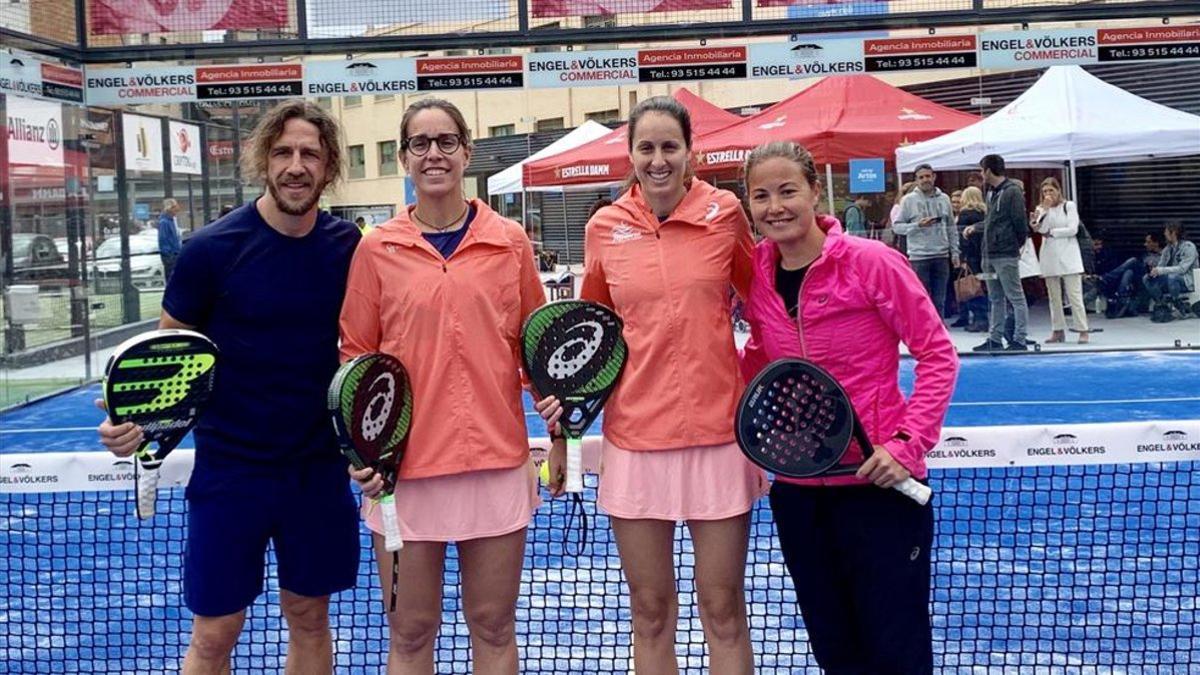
x=670 y=283
x=456 y=325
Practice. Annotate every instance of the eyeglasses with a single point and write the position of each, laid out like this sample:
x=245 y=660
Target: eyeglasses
x=419 y=145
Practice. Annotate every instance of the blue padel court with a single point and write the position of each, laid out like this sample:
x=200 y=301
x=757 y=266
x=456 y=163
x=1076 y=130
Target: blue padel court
x=1060 y=566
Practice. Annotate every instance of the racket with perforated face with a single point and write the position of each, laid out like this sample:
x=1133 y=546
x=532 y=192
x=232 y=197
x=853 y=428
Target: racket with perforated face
x=371 y=402
x=797 y=421
x=160 y=381
x=573 y=350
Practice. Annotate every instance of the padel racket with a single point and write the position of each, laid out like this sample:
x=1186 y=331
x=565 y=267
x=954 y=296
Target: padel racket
x=574 y=350
x=160 y=381
x=371 y=402
x=797 y=421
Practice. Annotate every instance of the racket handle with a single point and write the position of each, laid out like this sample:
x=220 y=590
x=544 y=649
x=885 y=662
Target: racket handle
x=914 y=490
x=391 y=523
x=147 y=491
x=574 y=465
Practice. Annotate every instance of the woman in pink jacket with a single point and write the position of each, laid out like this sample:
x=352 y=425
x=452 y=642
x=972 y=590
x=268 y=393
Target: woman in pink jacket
x=858 y=554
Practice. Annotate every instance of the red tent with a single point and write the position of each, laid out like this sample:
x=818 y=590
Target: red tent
x=606 y=159
x=837 y=119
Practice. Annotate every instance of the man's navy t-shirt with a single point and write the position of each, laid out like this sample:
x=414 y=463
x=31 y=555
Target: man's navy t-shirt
x=270 y=303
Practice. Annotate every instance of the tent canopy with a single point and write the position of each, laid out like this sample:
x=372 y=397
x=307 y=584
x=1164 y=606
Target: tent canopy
x=509 y=180
x=1067 y=115
x=606 y=159
x=837 y=119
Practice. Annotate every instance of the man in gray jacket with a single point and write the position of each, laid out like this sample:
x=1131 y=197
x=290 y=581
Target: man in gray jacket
x=1170 y=282
x=1005 y=230
x=927 y=219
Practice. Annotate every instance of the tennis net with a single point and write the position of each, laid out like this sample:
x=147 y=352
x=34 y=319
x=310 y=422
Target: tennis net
x=1054 y=567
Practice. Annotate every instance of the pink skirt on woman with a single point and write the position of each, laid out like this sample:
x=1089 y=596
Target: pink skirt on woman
x=709 y=482
x=461 y=507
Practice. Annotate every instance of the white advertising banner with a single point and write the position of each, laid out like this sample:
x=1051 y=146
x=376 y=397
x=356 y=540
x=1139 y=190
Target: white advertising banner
x=185 y=148
x=960 y=448
x=143 y=142
x=361 y=77
x=1037 y=48
x=34 y=132
x=124 y=86
x=582 y=69
x=806 y=58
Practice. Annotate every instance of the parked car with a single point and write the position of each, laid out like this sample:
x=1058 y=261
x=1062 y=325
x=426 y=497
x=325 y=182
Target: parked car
x=145 y=265
x=35 y=258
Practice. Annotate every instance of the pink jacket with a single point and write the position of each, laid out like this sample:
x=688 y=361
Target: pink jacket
x=857 y=302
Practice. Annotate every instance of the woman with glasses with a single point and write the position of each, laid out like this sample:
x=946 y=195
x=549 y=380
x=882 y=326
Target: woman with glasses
x=445 y=287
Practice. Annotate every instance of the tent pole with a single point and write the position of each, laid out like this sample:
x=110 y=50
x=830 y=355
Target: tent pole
x=829 y=186
x=1074 y=185
x=566 y=227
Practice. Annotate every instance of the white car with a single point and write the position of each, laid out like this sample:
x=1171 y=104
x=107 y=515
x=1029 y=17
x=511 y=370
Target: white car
x=145 y=264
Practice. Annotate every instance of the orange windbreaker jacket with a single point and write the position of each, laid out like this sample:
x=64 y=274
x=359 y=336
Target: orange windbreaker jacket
x=670 y=283
x=456 y=326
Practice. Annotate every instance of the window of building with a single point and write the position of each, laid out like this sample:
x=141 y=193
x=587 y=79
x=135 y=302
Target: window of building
x=554 y=25
x=325 y=102
x=387 y=158
x=352 y=101
x=502 y=130
x=604 y=116
x=550 y=124
x=357 y=159
x=384 y=98
x=600 y=21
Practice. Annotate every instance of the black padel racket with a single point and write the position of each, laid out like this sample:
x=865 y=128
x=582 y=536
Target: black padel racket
x=371 y=402
x=797 y=421
x=160 y=381
x=574 y=350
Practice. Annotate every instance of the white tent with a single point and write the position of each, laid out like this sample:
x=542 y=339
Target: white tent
x=509 y=180
x=1068 y=117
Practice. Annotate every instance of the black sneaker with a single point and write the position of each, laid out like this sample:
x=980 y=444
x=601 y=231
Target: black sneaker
x=1017 y=347
x=989 y=346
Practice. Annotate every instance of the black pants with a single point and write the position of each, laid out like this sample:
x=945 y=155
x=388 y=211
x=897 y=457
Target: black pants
x=168 y=262
x=859 y=559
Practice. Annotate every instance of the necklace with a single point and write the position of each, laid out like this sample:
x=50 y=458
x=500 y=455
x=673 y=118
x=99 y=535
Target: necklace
x=443 y=228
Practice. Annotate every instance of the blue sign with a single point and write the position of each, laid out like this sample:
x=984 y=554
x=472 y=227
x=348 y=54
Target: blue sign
x=410 y=191
x=866 y=175
x=845 y=8
x=141 y=211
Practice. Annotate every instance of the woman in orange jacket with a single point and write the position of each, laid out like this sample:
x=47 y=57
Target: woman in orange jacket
x=445 y=287
x=664 y=256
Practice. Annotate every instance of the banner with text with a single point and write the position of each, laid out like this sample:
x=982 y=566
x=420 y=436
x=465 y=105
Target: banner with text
x=1161 y=441
x=797 y=58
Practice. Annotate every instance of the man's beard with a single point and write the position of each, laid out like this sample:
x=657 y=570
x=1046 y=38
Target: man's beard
x=293 y=208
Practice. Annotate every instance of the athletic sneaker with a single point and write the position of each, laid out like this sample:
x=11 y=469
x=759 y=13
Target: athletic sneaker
x=1017 y=347
x=989 y=346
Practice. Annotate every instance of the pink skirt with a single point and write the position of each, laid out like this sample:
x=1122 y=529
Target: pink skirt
x=711 y=482
x=460 y=507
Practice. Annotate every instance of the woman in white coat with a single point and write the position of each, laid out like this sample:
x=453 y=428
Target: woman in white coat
x=1057 y=220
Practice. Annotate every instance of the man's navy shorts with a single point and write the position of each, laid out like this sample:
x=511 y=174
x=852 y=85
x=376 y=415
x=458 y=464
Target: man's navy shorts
x=306 y=510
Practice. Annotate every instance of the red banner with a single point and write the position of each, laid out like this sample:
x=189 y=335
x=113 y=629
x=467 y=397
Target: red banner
x=544 y=8
x=121 y=17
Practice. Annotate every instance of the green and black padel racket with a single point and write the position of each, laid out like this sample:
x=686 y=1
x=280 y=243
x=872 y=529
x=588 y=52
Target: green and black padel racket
x=160 y=381
x=574 y=350
x=371 y=402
